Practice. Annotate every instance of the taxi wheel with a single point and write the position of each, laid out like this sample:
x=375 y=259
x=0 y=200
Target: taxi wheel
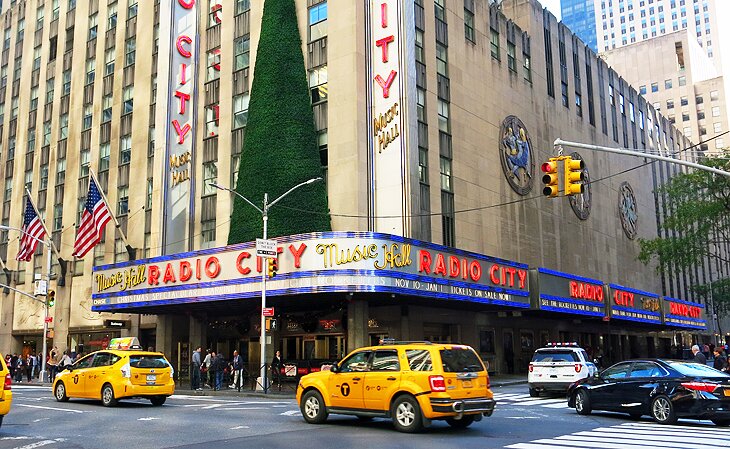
x=582 y=403
x=158 y=400
x=60 y=392
x=107 y=396
x=662 y=410
x=462 y=423
x=406 y=414
x=313 y=408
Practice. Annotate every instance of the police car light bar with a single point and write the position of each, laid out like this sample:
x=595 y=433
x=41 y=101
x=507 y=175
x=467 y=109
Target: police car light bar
x=573 y=344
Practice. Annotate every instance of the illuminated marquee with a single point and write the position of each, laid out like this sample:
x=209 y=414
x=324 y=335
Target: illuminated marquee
x=567 y=293
x=685 y=314
x=328 y=262
x=634 y=305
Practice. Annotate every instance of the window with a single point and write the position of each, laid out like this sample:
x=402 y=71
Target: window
x=667 y=84
x=386 y=360
x=719 y=143
x=670 y=104
x=84 y=163
x=37 y=58
x=240 y=110
x=445 y=165
x=611 y=98
x=66 y=82
x=122 y=200
x=699 y=99
x=111 y=16
x=214 y=64
x=215 y=13
x=683 y=101
x=242 y=49
x=128 y=99
x=357 y=362
x=494 y=43
x=317 y=21
x=148 y=200
x=619 y=371
x=714 y=95
x=440 y=9
x=700 y=115
x=419 y=359
x=93 y=26
x=31 y=140
x=44 y=177
x=46 y=133
x=56 y=10
x=109 y=61
x=87 y=117
x=39 y=16
x=90 y=70
x=642 y=90
x=21 y=30
x=717 y=127
x=60 y=172
x=125 y=149
x=423 y=165
x=443 y=113
x=420 y=55
x=682 y=80
x=469 y=32
x=104 y=150
x=242 y=6
x=58 y=217
x=106 y=108
x=441 y=59
x=210 y=176
x=207 y=233
x=647 y=369
x=526 y=68
x=715 y=111
x=211 y=120
x=318 y=84
x=421 y=104
x=49 y=90
x=132 y=10
x=130 y=50
x=654 y=87
x=685 y=116
x=511 y=62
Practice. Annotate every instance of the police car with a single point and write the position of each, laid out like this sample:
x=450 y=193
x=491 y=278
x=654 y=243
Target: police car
x=557 y=366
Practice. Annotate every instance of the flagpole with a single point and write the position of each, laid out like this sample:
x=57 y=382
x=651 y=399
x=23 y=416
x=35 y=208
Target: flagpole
x=114 y=217
x=43 y=223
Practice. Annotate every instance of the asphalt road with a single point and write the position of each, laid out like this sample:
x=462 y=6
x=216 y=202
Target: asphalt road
x=520 y=422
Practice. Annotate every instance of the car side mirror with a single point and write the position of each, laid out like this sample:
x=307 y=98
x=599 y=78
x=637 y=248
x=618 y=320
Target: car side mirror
x=334 y=368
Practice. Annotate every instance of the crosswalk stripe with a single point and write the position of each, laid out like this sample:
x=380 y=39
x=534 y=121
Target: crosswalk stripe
x=607 y=443
x=563 y=404
x=586 y=444
x=674 y=427
x=655 y=431
x=691 y=441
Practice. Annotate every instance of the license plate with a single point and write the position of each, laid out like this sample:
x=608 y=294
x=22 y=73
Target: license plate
x=151 y=378
x=466 y=383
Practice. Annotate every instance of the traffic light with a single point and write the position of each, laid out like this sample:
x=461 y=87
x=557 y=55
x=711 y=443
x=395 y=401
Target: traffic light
x=51 y=298
x=271 y=324
x=271 y=267
x=573 y=176
x=550 y=178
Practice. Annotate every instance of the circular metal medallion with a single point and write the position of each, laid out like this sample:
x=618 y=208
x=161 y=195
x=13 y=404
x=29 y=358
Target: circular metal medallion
x=581 y=204
x=627 y=209
x=516 y=155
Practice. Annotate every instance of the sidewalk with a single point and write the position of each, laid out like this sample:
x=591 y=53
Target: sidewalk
x=288 y=390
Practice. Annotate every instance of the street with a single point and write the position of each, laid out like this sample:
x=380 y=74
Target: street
x=519 y=422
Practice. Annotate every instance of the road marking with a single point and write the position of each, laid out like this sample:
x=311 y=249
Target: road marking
x=240 y=427
x=243 y=408
x=150 y=418
x=15 y=438
x=521 y=417
x=290 y=413
x=38 y=444
x=50 y=408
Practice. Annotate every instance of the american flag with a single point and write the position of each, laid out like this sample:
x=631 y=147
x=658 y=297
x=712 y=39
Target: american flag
x=96 y=215
x=32 y=229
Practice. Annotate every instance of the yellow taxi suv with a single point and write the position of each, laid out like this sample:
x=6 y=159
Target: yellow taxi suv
x=411 y=382
x=6 y=395
x=121 y=371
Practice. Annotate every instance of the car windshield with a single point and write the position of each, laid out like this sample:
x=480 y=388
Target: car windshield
x=555 y=355
x=147 y=361
x=696 y=370
x=459 y=360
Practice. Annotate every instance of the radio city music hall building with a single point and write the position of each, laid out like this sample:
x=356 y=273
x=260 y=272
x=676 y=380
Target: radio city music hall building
x=432 y=120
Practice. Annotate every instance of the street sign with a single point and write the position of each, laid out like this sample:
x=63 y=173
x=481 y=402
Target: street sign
x=266 y=248
x=268 y=311
x=49 y=319
x=41 y=287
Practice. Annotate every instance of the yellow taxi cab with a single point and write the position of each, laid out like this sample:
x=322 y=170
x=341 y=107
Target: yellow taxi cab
x=6 y=395
x=122 y=370
x=410 y=382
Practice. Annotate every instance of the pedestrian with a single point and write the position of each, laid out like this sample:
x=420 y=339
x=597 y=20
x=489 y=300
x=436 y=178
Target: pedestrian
x=19 y=368
x=51 y=364
x=221 y=364
x=206 y=368
x=721 y=362
x=237 y=367
x=30 y=370
x=706 y=351
x=195 y=370
x=66 y=361
x=213 y=370
x=699 y=357
x=276 y=369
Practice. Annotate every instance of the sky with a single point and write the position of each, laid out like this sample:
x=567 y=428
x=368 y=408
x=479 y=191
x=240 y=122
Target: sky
x=553 y=6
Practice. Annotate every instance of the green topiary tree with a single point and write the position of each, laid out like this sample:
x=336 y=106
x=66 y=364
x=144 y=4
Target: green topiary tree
x=280 y=148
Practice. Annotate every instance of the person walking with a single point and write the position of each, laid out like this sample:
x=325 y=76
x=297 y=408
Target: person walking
x=205 y=369
x=276 y=370
x=699 y=356
x=220 y=365
x=195 y=370
x=720 y=363
x=237 y=367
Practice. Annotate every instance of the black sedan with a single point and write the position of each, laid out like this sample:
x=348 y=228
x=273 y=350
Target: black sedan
x=663 y=389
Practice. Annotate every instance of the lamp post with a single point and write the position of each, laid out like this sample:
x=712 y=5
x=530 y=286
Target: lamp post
x=42 y=374
x=265 y=215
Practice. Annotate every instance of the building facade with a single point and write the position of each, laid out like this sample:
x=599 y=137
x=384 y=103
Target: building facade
x=580 y=17
x=432 y=119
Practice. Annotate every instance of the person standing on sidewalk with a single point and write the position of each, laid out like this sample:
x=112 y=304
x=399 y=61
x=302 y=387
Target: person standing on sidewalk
x=219 y=365
x=237 y=367
x=195 y=370
x=276 y=370
x=206 y=369
x=699 y=356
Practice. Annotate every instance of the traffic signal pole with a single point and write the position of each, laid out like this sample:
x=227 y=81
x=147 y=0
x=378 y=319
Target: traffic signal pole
x=626 y=152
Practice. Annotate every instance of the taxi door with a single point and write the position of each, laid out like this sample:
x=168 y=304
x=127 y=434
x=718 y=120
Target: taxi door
x=99 y=372
x=345 y=387
x=75 y=386
x=382 y=380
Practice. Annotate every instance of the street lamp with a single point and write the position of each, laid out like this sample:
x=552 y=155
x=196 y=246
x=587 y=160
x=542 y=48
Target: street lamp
x=265 y=215
x=42 y=374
